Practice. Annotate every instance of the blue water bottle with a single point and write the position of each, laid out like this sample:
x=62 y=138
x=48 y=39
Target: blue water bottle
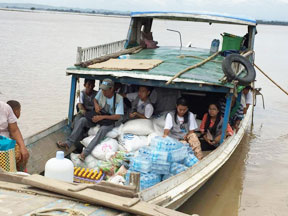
x=214 y=46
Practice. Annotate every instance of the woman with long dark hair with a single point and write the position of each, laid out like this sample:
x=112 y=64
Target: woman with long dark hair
x=211 y=128
x=180 y=124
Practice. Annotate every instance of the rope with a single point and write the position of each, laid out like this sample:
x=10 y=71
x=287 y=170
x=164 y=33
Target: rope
x=271 y=79
x=192 y=67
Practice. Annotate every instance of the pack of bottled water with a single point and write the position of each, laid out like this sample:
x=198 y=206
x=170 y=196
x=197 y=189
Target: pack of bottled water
x=145 y=152
x=160 y=167
x=177 y=155
x=140 y=164
x=148 y=180
x=177 y=168
x=190 y=160
x=164 y=144
x=159 y=155
x=164 y=157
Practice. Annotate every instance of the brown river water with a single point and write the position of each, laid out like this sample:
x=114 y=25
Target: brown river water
x=35 y=49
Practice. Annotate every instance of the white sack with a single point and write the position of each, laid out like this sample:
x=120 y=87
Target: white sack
x=132 y=142
x=93 y=130
x=138 y=127
x=90 y=161
x=108 y=145
x=115 y=132
x=85 y=142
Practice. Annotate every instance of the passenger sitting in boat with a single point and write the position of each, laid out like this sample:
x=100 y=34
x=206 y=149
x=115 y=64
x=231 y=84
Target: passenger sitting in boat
x=247 y=98
x=211 y=128
x=9 y=128
x=85 y=101
x=236 y=112
x=108 y=110
x=20 y=163
x=141 y=104
x=147 y=40
x=180 y=124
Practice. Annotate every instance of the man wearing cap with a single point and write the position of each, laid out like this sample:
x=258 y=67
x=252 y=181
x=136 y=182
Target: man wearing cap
x=108 y=107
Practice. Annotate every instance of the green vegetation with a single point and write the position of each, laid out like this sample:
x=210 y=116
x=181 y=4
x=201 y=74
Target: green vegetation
x=272 y=22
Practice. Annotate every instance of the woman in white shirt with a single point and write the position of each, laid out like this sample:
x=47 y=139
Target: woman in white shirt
x=180 y=124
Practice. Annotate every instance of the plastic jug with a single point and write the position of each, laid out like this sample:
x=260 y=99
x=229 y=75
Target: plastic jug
x=59 y=168
x=214 y=46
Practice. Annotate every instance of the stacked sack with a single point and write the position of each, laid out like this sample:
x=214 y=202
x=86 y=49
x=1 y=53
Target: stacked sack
x=164 y=158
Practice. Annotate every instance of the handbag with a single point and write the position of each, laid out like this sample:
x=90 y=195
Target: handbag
x=105 y=122
x=7 y=154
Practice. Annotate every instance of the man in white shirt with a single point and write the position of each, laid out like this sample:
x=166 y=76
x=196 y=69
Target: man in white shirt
x=247 y=98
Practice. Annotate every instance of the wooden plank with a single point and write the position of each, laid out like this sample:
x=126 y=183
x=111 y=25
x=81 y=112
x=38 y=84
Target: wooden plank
x=127 y=64
x=111 y=190
x=98 y=197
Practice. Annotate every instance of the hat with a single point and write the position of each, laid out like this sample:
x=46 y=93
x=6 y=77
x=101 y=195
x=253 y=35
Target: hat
x=106 y=84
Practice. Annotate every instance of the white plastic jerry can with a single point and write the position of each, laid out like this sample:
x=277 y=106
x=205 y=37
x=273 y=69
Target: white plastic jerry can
x=59 y=168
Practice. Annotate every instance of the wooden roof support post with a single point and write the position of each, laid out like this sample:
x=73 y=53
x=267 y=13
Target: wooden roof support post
x=135 y=180
x=79 y=55
x=72 y=100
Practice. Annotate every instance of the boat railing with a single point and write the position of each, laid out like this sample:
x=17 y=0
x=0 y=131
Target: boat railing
x=89 y=53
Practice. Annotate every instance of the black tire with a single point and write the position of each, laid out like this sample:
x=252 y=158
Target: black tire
x=227 y=69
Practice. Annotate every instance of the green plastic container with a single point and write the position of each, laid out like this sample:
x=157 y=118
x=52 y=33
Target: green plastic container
x=231 y=42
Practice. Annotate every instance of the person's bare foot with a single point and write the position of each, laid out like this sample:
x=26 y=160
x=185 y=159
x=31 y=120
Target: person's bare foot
x=62 y=145
x=82 y=157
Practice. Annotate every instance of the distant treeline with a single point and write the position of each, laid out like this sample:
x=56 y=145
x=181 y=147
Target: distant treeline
x=70 y=10
x=272 y=22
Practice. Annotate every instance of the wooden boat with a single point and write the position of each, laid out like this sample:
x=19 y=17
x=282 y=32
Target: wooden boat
x=200 y=84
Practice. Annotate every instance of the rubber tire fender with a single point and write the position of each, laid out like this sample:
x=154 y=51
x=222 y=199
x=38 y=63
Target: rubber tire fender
x=227 y=69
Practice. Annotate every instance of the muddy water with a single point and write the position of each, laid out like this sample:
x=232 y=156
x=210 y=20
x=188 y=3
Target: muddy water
x=37 y=47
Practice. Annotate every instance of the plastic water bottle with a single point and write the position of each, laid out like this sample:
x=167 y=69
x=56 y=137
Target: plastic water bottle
x=214 y=46
x=59 y=168
x=123 y=57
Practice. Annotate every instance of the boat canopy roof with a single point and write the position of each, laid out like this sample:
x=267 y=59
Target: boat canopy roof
x=204 y=78
x=196 y=17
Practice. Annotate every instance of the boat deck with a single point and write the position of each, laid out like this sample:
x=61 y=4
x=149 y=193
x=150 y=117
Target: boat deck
x=18 y=199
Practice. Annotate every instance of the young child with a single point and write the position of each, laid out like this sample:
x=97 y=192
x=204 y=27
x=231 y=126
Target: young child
x=20 y=164
x=85 y=102
x=180 y=124
x=141 y=104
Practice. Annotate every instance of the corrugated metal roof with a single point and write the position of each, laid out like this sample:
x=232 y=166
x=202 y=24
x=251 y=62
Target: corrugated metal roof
x=197 y=17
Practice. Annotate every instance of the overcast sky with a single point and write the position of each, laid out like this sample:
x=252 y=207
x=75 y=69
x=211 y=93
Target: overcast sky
x=258 y=9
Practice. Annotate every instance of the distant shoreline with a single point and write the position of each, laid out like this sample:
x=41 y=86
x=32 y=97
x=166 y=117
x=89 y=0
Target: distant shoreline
x=110 y=14
x=63 y=12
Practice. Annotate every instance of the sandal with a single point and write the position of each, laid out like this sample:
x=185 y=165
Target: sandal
x=62 y=145
x=81 y=157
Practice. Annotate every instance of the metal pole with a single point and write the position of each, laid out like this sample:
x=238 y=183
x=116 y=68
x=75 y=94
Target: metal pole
x=226 y=117
x=179 y=36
